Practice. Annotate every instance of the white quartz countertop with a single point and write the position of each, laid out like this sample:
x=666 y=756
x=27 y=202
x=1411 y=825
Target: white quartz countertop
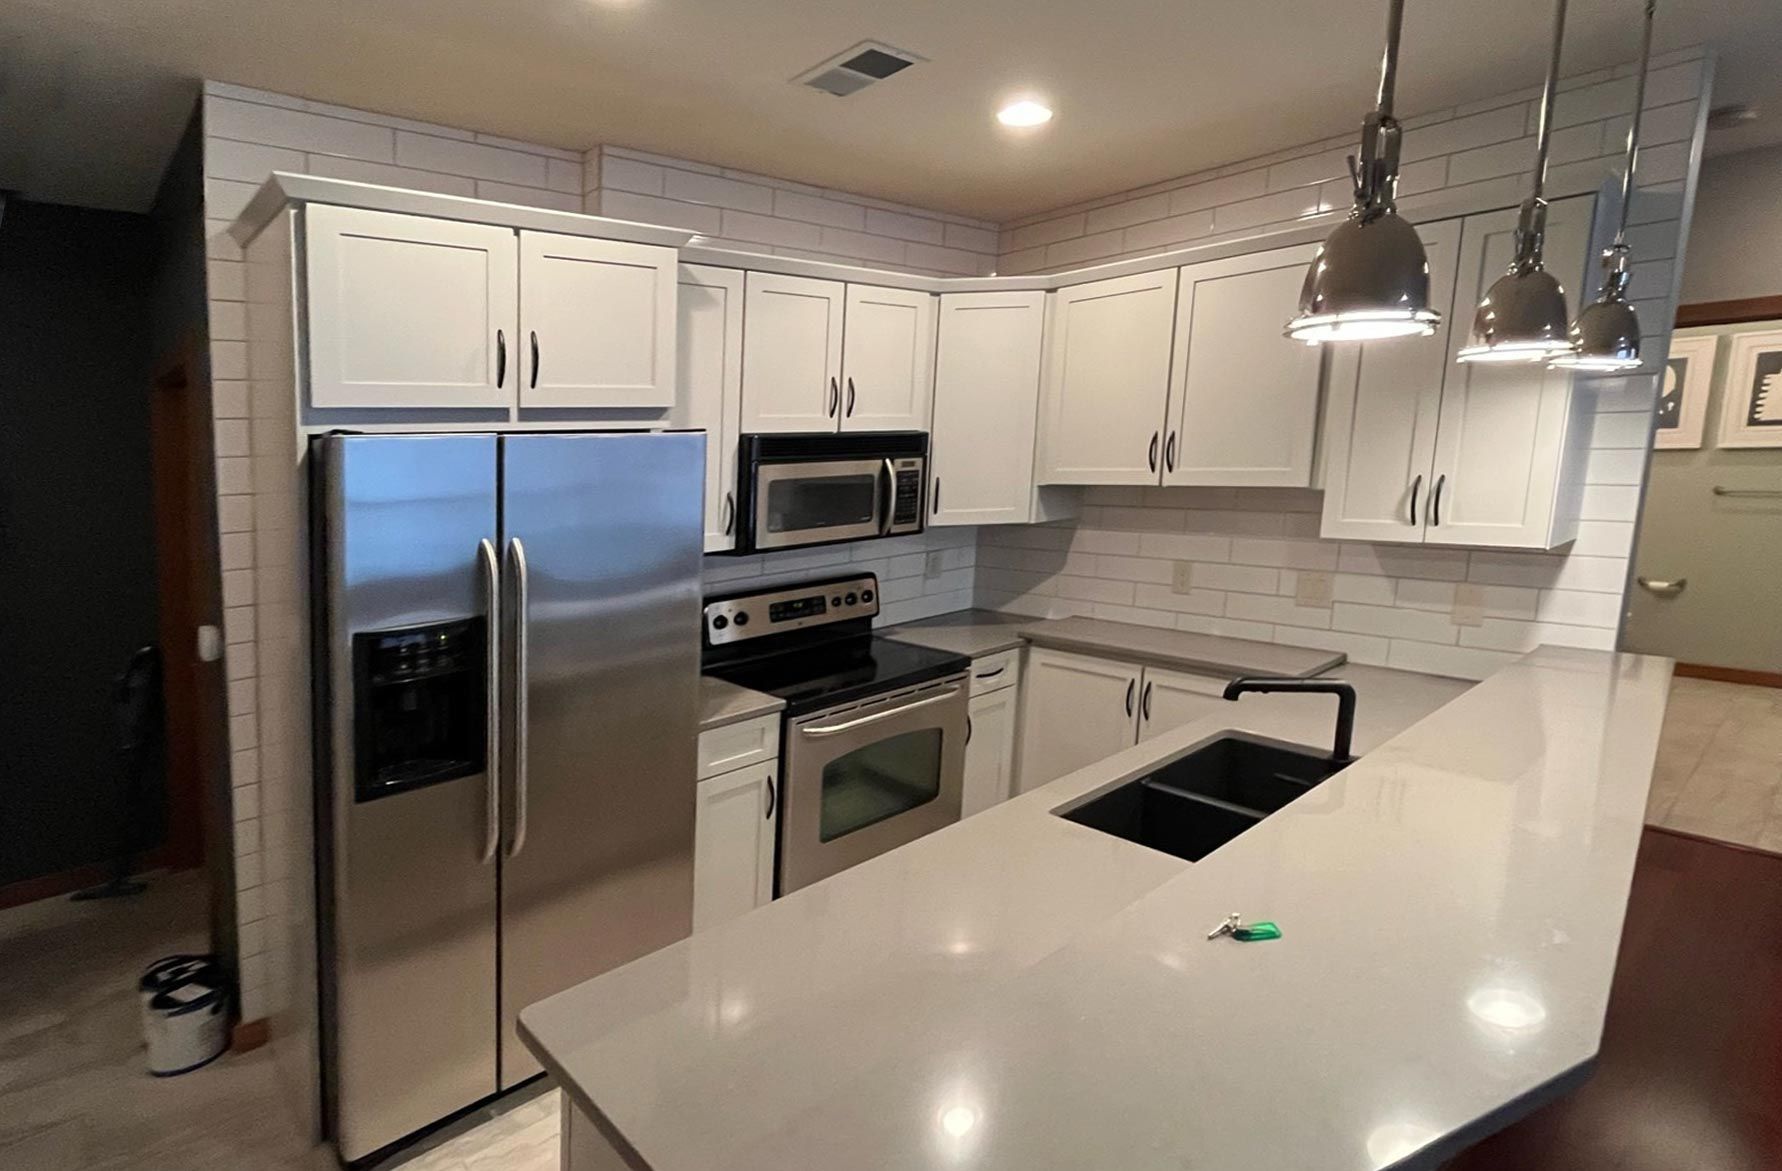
x=1020 y=992
x=722 y=702
x=965 y=632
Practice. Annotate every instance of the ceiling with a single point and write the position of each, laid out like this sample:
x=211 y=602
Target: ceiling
x=94 y=93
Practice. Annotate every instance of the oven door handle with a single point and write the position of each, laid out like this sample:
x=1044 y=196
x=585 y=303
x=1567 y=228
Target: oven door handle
x=888 y=505
x=816 y=731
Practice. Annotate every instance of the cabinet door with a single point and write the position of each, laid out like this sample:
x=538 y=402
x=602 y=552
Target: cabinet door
x=1169 y=699
x=792 y=353
x=733 y=841
x=986 y=407
x=990 y=750
x=1107 y=380
x=1075 y=710
x=887 y=359
x=1500 y=440
x=1243 y=397
x=1380 y=415
x=708 y=365
x=406 y=311
x=597 y=320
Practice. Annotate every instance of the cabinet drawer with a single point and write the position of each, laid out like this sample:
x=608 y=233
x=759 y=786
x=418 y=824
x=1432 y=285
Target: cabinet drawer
x=738 y=745
x=994 y=672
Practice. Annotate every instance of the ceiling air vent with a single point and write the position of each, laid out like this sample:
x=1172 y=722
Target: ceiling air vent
x=854 y=70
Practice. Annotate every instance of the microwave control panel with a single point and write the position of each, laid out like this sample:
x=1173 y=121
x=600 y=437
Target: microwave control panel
x=906 y=495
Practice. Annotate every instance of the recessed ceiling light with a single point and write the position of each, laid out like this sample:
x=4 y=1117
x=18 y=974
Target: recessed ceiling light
x=1025 y=112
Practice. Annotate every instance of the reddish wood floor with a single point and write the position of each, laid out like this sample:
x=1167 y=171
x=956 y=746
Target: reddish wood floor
x=1690 y=1077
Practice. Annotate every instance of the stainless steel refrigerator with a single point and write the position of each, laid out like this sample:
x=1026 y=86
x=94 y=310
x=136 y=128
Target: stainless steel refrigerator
x=507 y=668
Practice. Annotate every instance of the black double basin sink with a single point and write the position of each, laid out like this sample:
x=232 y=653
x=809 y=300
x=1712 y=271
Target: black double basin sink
x=1203 y=799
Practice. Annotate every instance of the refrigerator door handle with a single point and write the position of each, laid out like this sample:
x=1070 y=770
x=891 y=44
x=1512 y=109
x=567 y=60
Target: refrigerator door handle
x=490 y=563
x=516 y=557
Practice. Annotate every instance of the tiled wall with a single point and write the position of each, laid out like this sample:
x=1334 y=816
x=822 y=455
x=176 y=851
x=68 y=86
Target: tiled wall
x=920 y=575
x=755 y=213
x=1247 y=548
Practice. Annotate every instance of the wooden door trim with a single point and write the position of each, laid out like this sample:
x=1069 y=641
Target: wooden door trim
x=1734 y=312
x=1729 y=674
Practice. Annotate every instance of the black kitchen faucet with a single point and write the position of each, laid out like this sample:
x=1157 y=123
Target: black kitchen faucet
x=1345 y=725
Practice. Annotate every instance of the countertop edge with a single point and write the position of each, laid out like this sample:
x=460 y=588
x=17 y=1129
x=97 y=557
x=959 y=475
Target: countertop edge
x=1091 y=646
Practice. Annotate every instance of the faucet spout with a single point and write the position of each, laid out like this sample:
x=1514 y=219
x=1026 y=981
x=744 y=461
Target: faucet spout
x=1345 y=693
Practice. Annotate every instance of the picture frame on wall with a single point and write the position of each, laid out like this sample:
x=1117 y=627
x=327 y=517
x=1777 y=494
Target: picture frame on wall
x=1683 y=395
x=1751 y=408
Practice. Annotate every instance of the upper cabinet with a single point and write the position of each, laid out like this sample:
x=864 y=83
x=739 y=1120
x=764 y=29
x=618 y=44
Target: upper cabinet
x=887 y=359
x=1422 y=448
x=709 y=367
x=1107 y=380
x=412 y=312
x=405 y=311
x=1243 y=404
x=825 y=356
x=598 y=319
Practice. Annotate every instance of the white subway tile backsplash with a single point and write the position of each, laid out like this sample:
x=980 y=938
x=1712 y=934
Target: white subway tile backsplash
x=527 y=196
x=1392 y=622
x=253 y=122
x=624 y=205
x=1277 y=609
x=903 y=226
x=717 y=191
x=1158 y=235
x=1579 y=608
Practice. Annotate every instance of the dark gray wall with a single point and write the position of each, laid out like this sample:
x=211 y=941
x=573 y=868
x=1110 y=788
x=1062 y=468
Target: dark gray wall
x=77 y=566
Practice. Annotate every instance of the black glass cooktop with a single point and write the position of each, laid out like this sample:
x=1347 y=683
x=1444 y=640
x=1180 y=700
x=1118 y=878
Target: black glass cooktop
x=841 y=671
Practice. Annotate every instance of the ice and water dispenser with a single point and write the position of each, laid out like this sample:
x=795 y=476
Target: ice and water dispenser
x=420 y=699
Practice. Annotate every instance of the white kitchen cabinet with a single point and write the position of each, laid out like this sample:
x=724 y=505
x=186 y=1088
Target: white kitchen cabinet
x=1380 y=415
x=1243 y=399
x=887 y=359
x=1107 y=370
x=407 y=311
x=990 y=752
x=1075 y=710
x=1168 y=699
x=708 y=365
x=597 y=321
x=792 y=353
x=733 y=843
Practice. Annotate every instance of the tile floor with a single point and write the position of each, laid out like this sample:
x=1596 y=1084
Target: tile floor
x=1719 y=770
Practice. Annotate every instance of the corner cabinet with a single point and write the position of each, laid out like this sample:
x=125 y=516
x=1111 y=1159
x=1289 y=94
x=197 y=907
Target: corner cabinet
x=1422 y=448
x=994 y=706
x=708 y=364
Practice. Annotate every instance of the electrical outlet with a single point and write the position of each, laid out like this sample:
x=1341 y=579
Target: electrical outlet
x=1183 y=579
x=1469 y=604
x=1315 y=589
x=936 y=564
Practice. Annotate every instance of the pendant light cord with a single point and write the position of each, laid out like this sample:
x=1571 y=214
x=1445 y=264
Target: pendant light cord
x=1633 y=130
x=1531 y=225
x=1395 y=20
x=1375 y=173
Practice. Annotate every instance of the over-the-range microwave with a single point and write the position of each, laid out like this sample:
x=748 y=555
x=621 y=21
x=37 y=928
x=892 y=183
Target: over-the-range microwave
x=802 y=489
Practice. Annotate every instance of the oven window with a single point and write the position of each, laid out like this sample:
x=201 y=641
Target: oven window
x=821 y=502
x=880 y=780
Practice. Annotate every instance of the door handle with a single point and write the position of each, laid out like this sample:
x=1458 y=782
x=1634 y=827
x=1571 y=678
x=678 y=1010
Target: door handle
x=818 y=731
x=850 y=398
x=937 y=496
x=768 y=816
x=500 y=359
x=1145 y=701
x=535 y=359
x=1130 y=684
x=1151 y=457
x=1435 y=501
x=490 y=563
x=1664 y=589
x=834 y=398
x=516 y=556
x=729 y=512
x=1169 y=453
x=1416 y=486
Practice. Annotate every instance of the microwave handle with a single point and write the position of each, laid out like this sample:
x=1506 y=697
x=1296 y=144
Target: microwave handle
x=888 y=503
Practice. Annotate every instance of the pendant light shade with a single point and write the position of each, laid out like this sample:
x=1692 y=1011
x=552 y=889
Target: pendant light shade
x=1606 y=337
x=1371 y=277
x=1523 y=317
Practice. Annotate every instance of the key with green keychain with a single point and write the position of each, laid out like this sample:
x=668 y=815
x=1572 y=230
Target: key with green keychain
x=1234 y=926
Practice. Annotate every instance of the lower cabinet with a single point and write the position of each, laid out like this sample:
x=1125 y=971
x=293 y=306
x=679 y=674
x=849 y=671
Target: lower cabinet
x=734 y=831
x=990 y=748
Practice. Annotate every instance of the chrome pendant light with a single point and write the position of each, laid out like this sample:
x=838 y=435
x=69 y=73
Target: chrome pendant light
x=1371 y=278
x=1523 y=317
x=1606 y=336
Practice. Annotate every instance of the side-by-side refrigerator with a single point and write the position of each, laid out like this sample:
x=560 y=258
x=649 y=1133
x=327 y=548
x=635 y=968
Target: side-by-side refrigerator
x=507 y=670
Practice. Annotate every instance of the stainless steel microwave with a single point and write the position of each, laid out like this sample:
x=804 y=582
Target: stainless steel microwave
x=796 y=490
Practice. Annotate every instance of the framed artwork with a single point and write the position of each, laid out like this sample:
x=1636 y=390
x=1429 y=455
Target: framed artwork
x=1751 y=408
x=1683 y=396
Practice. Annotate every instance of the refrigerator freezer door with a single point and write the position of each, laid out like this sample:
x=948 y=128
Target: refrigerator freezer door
x=410 y=905
x=597 y=865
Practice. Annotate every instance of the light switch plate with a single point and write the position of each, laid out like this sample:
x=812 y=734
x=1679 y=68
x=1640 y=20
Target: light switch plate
x=1314 y=589
x=936 y=564
x=1469 y=604
x=1182 y=581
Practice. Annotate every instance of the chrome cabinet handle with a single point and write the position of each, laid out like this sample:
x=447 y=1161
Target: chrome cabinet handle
x=1435 y=502
x=516 y=556
x=1416 y=486
x=1145 y=701
x=535 y=359
x=834 y=398
x=1151 y=457
x=1130 y=684
x=490 y=563
x=1664 y=589
x=1169 y=453
x=850 y=398
x=729 y=512
x=768 y=816
x=500 y=359
x=818 y=731
x=937 y=496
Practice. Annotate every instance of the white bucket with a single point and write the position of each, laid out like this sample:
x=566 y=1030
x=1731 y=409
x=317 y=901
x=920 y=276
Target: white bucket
x=185 y=1013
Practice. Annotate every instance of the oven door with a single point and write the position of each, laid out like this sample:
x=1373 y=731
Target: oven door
x=813 y=501
x=866 y=778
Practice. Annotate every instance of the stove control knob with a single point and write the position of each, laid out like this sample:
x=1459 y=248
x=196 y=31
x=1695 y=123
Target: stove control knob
x=742 y=618
x=850 y=599
x=835 y=601
x=720 y=622
x=866 y=595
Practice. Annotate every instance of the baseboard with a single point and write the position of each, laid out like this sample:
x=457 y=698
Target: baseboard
x=1730 y=674
x=1713 y=841
x=247 y=1036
